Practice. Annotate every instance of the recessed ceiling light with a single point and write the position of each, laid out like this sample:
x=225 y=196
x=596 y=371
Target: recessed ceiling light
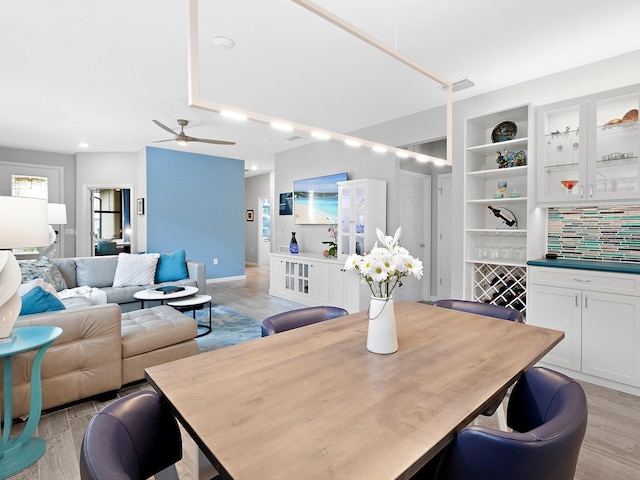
x=402 y=154
x=223 y=43
x=254 y=167
x=422 y=158
x=83 y=145
x=352 y=143
x=379 y=149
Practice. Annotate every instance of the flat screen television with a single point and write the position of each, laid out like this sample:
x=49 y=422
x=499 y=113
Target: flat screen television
x=315 y=200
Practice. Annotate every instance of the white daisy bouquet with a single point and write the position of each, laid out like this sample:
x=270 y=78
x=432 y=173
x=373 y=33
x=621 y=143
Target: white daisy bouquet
x=384 y=267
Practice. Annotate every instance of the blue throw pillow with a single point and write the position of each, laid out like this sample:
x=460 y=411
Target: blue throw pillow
x=172 y=267
x=38 y=300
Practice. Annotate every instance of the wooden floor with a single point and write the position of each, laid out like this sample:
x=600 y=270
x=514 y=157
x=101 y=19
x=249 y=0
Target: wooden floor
x=611 y=449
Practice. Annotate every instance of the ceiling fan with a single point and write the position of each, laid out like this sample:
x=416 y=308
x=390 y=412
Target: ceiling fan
x=183 y=138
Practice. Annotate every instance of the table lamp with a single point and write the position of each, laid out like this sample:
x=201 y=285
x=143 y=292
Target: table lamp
x=23 y=223
x=57 y=213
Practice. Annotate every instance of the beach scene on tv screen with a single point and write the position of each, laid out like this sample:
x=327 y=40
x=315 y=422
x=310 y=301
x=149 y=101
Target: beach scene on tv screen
x=315 y=200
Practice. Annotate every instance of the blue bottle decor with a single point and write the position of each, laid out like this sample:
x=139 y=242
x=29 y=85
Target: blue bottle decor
x=293 y=244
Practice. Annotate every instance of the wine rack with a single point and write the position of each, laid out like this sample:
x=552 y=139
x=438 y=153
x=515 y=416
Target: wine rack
x=501 y=285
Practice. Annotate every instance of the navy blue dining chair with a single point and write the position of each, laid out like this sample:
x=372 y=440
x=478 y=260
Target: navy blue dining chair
x=548 y=413
x=282 y=322
x=135 y=437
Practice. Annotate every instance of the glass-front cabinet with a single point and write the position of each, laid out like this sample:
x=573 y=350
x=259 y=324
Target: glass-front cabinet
x=588 y=148
x=362 y=206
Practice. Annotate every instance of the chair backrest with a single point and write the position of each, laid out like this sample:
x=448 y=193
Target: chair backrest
x=134 y=437
x=106 y=247
x=548 y=412
x=488 y=309
x=299 y=318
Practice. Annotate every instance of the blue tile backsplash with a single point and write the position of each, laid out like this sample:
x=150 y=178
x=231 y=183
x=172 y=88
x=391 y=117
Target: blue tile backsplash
x=595 y=233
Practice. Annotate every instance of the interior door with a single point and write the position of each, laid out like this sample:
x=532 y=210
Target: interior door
x=415 y=219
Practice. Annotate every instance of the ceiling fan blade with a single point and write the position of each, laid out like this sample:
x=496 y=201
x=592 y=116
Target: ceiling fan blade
x=165 y=127
x=206 y=140
x=168 y=140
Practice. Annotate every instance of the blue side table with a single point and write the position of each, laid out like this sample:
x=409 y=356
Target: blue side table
x=19 y=452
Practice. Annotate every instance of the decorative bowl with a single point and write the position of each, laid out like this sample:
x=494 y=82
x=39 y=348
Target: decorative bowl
x=504 y=131
x=630 y=116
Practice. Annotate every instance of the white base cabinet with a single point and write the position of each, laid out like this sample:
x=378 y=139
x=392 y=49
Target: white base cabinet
x=600 y=315
x=312 y=280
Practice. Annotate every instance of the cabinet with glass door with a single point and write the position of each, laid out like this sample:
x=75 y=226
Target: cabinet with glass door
x=589 y=147
x=362 y=207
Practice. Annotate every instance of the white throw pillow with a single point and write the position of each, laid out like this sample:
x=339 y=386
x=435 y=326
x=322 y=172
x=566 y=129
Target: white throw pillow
x=36 y=282
x=135 y=269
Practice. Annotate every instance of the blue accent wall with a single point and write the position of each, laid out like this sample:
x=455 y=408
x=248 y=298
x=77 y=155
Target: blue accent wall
x=196 y=202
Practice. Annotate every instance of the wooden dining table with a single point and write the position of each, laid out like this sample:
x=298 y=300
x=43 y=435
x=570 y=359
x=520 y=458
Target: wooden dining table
x=314 y=403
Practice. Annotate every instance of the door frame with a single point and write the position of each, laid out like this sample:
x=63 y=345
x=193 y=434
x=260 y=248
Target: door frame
x=440 y=267
x=84 y=239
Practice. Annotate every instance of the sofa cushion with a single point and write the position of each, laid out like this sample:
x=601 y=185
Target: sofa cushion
x=171 y=267
x=38 y=300
x=42 y=268
x=96 y=271
x=153 y=328
x=135 y=269
x=67 y=267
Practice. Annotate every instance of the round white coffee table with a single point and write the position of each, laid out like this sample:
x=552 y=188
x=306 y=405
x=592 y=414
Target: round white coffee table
x=195 y=302
x=153 y=295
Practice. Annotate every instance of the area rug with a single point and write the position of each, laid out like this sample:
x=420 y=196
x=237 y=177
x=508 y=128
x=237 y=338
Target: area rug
x=228 y=328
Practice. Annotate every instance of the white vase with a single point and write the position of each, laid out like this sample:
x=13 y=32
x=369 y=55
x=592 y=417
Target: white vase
x=382 y=337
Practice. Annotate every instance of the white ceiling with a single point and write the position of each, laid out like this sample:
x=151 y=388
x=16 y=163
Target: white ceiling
x=100 y=71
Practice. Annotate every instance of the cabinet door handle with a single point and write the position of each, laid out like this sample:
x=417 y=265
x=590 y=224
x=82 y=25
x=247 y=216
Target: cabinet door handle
x=590 y=190
x=583 y=280
x=581 y=192
x=576 y=299
x=586 y=301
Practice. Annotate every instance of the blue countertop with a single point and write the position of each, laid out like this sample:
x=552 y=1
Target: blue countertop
x=618 y=267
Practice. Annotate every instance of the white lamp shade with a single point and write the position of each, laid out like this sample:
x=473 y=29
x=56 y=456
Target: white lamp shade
x=24 y=222
x=57 y=213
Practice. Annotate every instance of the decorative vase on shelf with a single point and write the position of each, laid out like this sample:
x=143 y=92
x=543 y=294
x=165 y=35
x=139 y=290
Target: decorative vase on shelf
x=293 y=244
x=382 y=337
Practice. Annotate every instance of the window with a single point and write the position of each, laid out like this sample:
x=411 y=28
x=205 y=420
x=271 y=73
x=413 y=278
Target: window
x=30 y=186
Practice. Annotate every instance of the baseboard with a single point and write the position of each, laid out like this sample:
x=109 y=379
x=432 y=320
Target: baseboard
x=226 y=279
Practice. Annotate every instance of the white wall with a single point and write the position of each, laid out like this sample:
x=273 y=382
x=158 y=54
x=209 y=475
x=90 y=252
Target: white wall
x=608 y=74
x=326 y=158
x=104 y=170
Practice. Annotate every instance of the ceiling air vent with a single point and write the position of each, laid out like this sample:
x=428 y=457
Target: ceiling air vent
x=461 y=85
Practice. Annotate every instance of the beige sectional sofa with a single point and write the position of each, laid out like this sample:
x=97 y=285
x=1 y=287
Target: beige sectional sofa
x=102 y=348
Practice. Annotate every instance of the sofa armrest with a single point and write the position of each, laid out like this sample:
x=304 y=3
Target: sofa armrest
x=197 y=271
x=84 y=361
